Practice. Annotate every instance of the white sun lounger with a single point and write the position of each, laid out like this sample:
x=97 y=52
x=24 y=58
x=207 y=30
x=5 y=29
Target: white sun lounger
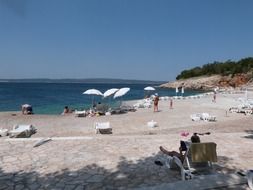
x=3 y=132
x=197 y=154
x=196 y=117
x=80 y=113
x=145 y=103
x=22 y=131
x=152 y=124
x=250 y=178
x=103 y=128
x=208 y=117
x=185 y=173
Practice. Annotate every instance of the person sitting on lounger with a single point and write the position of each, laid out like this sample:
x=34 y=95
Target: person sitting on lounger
x=26 y=109
x=182 y=149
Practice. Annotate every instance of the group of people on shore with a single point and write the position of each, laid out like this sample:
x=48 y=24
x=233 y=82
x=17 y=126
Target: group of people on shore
x=27 y=109
x=97 y=109
x=156 y=100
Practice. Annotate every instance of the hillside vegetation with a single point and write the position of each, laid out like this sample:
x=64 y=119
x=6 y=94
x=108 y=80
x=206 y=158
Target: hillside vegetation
x=219 y=68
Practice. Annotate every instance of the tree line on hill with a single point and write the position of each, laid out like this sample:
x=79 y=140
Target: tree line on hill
x=221 y=68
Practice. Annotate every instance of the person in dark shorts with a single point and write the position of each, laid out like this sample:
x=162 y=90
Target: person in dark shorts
x=171 y=103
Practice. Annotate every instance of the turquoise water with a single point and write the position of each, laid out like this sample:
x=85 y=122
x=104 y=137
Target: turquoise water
x=50 y=98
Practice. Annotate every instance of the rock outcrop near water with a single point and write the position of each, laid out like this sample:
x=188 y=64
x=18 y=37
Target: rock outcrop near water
x=210 y=82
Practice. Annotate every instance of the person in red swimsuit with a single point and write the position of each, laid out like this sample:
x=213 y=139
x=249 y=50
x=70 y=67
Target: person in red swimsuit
x=156 y=100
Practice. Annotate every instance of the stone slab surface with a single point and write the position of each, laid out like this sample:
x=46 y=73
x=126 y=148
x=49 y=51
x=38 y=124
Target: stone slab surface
x=107 y=162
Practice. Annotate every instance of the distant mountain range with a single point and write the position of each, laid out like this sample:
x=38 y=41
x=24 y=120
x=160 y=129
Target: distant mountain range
x=90 y=80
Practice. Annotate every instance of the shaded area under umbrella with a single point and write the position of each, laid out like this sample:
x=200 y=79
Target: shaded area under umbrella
x=182 y=91
x=149 y=89
x=176 y=91
x=121 y=92
x=110 y=92
x=93 y=92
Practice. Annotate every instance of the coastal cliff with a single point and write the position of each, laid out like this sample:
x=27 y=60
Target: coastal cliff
x=210 y=82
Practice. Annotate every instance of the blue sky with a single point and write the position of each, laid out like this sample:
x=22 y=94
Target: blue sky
x=129 y=39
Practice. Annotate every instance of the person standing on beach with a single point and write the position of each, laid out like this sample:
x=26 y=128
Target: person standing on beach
x=171 y=103
x=156 y=100
x=214 y=97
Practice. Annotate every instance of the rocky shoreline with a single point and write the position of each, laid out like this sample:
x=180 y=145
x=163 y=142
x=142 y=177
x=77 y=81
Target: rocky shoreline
x=210 y=82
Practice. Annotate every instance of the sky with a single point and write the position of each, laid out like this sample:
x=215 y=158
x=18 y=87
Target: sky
x=126 y=39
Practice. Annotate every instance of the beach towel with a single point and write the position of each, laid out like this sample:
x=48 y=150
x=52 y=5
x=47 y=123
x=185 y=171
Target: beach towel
x=203 y=152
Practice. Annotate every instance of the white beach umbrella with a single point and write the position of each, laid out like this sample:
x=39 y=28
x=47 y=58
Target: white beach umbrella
x=110 y=92
x=149 y=88
x=182 y=90
x=121 y=92
x=26 y=105
x=246 y=94
x=93 y=92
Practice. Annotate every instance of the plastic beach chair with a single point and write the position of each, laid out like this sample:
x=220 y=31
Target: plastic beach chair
x=195 y=117
x=152 y=124
x=3 y=132
x=196 y=155
x=80 y=113
x=22 y=131
x=103 y=128
x=250 y=179
x=186 y=173
x=208 y=117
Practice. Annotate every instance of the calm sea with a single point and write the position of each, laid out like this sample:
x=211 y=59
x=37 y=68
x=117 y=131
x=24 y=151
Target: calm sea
x=50 y=98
